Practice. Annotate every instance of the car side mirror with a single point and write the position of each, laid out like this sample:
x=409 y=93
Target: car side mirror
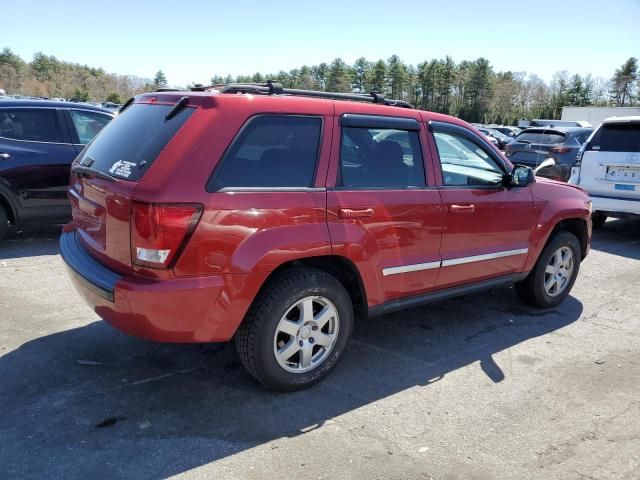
x=521 y=176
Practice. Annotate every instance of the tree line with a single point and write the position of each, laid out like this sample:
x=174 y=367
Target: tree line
x=46 y=76
x=471 y=90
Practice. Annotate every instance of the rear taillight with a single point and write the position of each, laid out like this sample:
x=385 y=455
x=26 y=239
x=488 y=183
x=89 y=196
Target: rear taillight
x=560 y=149
x=159 y=232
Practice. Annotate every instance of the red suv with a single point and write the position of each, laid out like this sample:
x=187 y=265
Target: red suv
x=264 y=215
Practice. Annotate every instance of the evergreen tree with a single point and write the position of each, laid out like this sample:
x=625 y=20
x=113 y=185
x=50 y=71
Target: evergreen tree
x=159 y=80
x=623 y=83
x=361 y=69
x=377 y=77
x=338 y=77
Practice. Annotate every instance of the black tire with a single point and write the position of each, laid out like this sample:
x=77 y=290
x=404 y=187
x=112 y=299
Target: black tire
x=531 y=290
x=598 y=219
x=4 y=223
x=255 y=338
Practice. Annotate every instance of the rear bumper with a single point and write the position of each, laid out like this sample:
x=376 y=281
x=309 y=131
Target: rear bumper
x=615 y=204
x=176 y=310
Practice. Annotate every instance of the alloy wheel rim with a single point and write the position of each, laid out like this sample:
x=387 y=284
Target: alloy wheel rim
x=558 y=272
x=306 y=334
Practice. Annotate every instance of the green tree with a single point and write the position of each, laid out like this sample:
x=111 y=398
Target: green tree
x=81 y=95
x=338 y=77
x=361 y=69
x=396 y=77
x=376 y=79
x=114 y=97
x=319 y=73
x=623 y=82
x=160 y=80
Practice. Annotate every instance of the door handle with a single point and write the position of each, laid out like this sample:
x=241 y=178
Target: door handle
x=463 y=208
x=347 y=213
x=5 y=156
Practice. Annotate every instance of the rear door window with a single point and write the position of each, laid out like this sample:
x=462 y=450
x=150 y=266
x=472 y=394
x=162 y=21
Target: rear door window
x=31 y=125
x=131 y=142
x=541 y=137
x=617 y=138
x=88 y=124
x=381 y=158
x=271 y=151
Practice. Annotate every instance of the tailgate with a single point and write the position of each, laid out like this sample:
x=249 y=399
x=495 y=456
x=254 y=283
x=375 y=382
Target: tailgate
x=107 y=171
x=101 y=213
x=614 y=174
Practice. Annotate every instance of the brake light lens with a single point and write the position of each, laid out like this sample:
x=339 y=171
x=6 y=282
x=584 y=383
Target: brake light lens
x=159 y=232
x=560 y=149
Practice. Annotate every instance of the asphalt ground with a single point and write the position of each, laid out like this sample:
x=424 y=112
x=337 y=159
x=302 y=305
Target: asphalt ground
x=478 y=387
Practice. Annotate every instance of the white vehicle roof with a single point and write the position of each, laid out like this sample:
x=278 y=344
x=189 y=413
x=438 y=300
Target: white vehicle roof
x=629 y=119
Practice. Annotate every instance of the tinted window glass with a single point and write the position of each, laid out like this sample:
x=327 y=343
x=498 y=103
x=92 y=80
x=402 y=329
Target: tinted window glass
x=380 y=158
x=88 y=124
x=130 y=143
x=617 y=138
x=544 y=138
x=30 y=124
x=271 y=151
x=464 y=162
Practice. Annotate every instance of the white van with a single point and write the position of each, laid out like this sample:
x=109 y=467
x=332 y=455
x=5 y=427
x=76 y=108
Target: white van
x=608 y=168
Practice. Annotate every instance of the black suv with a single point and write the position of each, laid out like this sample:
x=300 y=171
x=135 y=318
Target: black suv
x=38 y=141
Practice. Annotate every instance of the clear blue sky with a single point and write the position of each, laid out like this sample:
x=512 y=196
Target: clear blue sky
x=193 y=40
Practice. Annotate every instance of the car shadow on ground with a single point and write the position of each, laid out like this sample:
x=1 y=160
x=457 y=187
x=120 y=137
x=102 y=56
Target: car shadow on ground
x=30 y=241
x=91 y=402
x=619 y=237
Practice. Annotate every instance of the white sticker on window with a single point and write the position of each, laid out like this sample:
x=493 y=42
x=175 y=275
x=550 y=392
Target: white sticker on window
x=122 y=168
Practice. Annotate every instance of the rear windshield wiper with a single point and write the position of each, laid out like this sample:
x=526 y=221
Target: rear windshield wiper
x=180 y=104
x=83 y=171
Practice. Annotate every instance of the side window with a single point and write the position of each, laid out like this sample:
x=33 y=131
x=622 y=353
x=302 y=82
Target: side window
x=464 y=162
x=88 y=124
x=380 y=158
x=271 y=151
x=30 y=124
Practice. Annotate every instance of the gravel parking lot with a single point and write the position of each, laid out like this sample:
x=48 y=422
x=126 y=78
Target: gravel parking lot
x=479 y=387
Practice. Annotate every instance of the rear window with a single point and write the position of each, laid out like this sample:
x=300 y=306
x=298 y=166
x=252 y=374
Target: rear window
x=131 y=142
x=271 y=151
x=617 y=138
x=541 y=137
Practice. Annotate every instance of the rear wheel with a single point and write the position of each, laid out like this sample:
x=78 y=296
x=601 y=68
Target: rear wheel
x=598 y=219
x=4 y=223
x=554 y=274
x=297 y=329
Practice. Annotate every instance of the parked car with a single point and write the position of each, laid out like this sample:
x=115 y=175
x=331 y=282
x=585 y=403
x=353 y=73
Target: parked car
x=608 y=168
x=299 y=212
x=38 y=141
x=534 y=145
x=501 y=139
x=508 y=131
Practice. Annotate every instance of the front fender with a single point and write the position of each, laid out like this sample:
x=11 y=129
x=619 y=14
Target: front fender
x=553 y=203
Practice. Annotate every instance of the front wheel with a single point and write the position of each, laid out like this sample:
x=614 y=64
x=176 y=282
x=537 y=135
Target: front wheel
x=297 y=329
x=554 y=273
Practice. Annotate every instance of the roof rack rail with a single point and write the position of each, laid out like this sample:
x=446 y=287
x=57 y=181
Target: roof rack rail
x=274 y=88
